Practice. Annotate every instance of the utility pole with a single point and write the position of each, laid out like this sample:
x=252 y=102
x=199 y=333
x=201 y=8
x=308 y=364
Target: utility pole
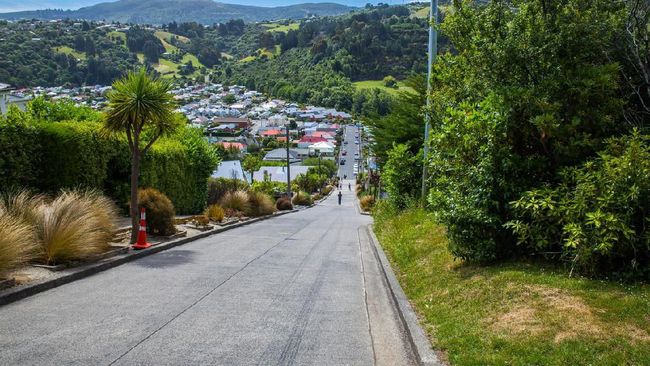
x=288 y=167
x=433 y=50
x=320 y=190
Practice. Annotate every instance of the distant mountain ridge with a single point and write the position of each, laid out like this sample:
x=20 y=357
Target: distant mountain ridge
x=165 y=11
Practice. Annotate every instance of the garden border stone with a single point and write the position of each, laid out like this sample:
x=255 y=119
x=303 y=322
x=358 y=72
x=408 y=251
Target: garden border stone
x=76 y=273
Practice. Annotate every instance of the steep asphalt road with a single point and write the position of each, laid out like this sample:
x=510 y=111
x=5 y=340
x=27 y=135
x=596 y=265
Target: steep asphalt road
x=301 y=289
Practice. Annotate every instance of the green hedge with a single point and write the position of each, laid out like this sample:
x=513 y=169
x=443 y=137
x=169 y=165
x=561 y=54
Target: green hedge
x=19 y=152
x=49 y=156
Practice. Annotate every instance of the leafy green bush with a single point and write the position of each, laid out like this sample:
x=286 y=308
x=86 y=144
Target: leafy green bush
x=311 y=181
x=328 y=167
x=400 y=176
x=597 y=216
x=236 y=200
x=159 y=210
x=472 y=171
x=283 y=204
x=186 y=155
x=218 y=187
x=271 y=188
x=260 y=204
x=302 y=199
x=215 y=213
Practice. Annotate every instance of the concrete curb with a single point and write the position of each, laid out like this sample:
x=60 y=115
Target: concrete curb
x=417 y=338
x=76 y=273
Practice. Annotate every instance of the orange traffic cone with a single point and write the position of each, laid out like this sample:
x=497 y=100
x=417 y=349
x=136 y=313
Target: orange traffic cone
x=142 y=234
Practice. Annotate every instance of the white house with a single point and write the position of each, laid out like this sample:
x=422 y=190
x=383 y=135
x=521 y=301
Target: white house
x=324 y=148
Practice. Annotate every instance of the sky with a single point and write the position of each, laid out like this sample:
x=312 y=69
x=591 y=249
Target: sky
x=20 y=5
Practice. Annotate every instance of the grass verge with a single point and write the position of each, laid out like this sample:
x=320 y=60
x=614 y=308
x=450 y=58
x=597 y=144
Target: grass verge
x=514 y=313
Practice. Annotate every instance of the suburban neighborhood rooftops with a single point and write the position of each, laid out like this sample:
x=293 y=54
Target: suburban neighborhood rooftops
x=229 y=169
x=281 y=154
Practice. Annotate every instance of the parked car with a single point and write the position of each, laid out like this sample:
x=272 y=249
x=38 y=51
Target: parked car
x=342 y=161
x=345 y=153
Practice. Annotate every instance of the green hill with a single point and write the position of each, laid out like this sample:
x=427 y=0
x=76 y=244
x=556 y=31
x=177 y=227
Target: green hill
x=166 y=11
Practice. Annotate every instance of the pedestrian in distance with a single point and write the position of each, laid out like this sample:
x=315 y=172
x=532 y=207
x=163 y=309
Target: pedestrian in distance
x=349 y=186
x=340 y=197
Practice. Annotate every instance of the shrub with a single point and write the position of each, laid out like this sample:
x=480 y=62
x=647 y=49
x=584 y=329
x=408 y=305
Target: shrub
x=74 y=226
x=273 y=189
x=327 y=190
x=473 y=177
x=367 y=202
x=284 y=204
x=400 y=176
x=20 y=158
x=316 y=197
x=218 y=187
x=215 y=213
x=597 y=217
x=260 y=204
x=160 y=211
x=17 y=242
x=236 y=200
x=302 y=199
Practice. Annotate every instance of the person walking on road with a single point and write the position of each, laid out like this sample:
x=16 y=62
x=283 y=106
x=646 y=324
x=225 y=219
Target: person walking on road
x=340 y=197
x=349 y=186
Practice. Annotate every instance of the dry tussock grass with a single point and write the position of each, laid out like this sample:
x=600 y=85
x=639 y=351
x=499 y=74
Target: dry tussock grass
x=17 y=242
x=236 y=200
x=76 y=225
x=215 y=213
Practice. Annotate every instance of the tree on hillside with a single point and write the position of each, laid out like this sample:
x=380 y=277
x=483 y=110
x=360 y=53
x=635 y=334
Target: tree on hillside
x=151 y=52
x=252 y=163
x=140 y=107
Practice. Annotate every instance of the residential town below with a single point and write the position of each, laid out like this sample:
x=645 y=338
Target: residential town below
x=238 y=120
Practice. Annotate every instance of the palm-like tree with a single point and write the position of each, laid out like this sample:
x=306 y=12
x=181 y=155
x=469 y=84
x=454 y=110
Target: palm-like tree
x=141 y=107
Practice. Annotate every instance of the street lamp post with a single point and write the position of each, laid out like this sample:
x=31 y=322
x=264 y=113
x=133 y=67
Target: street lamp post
x=288 y=167
x=433 y=50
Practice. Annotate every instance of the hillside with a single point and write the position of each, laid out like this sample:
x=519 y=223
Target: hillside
x=165 y=11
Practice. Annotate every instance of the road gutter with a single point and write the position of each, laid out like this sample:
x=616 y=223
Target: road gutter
x=424 y=353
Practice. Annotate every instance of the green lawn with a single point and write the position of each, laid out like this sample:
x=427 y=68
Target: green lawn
x=166 y=36
x=117 y=34
x=379 y=84
x=262 y=51
x=515 y=313
x=69 y=51
x=275 y=27
x=421 y=13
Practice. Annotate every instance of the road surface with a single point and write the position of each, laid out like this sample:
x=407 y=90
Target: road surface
x=351 y=148
x=301 y=289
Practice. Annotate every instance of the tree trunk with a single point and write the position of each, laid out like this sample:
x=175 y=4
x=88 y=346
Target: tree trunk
x=135 y=175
